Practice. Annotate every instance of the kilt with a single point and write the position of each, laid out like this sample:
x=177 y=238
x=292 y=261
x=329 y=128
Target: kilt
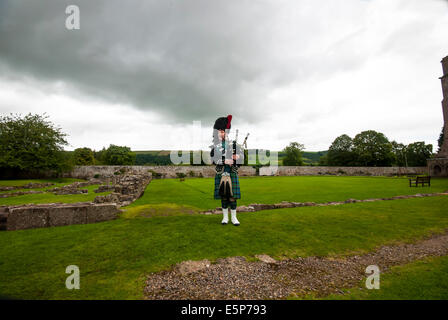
x=235 y=185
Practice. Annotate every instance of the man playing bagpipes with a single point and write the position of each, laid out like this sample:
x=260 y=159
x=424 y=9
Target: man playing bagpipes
x=228 y=157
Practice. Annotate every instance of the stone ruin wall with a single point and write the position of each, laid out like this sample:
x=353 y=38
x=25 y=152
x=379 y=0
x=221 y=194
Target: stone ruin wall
x=56 y=214
x=125 y=188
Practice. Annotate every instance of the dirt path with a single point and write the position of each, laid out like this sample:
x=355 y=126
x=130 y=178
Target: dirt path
x=235 y=278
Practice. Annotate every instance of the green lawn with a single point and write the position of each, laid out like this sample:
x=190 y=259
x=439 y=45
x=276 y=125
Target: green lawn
x=114 y=256
x=47 y=197
x=58 y=182
x=198 y=193
x=421 y=280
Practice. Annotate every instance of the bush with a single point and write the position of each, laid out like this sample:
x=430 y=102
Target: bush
x=257 y=169
x=180 y=175
x=155 y=175
x=83 y=157
x=117 y=155
x=191 y=173
x=293 y=154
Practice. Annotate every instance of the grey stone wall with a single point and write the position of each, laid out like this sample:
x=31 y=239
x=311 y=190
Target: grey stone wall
x=86 y=172
x=350 y=171
x=52 y=215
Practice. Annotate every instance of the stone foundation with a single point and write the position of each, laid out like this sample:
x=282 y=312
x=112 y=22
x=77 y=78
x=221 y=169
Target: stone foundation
x=126 y=189
x=287 y=204
x=56 y=214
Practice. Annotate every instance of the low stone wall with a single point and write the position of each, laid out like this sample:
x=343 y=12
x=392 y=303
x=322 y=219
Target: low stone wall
x=287 y=204
x=87 y=172
x=56 y=214
x=126 y=189
x=350 y=171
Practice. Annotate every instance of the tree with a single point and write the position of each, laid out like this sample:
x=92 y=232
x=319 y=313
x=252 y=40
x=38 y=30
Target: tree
x=293 y=154
x=99 y=156
x=399 y=151
x=417 y=153
x=83 y=157
x=117 y=155
x=373 y=149
x=323 y=161
x=340 y=152
x=31 y=145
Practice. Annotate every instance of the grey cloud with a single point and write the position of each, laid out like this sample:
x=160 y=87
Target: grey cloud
x=184 y=59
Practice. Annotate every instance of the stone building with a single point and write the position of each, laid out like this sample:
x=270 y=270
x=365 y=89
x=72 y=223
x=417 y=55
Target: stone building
x=438 y=166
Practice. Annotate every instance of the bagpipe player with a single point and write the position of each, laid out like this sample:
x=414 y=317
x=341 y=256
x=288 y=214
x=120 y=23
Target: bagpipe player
x=228 y=157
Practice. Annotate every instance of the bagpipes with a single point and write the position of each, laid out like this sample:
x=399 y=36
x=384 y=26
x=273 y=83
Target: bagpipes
x=243 y=145
x=236 y=149
x=225 y=185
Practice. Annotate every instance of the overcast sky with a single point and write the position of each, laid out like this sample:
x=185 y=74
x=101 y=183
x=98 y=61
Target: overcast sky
x=138 y=73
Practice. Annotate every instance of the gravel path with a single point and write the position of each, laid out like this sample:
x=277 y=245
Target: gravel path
x=236 y=278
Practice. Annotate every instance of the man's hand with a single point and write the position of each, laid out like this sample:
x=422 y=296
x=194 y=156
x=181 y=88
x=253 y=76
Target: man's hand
x=228 y=161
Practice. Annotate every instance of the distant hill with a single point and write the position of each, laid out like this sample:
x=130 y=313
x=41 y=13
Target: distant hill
x=153 y=157
x=309 y=157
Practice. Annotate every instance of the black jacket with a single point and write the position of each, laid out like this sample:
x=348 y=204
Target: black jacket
x=233 y=148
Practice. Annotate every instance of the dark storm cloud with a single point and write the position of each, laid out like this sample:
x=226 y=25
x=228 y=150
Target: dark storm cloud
x=184 y=59
x=158 y=55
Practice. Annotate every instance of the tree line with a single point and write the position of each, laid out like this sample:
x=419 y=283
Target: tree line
x=373 y=149
x=31 y=145
x=368 y=149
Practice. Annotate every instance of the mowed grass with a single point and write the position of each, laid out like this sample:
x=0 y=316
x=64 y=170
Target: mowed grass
x=425 y=279
x=21 y=182
x=115 y=256
x=47 y=197
x=198 y=192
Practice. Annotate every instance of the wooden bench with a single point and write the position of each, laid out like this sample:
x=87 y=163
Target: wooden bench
x=415 y=181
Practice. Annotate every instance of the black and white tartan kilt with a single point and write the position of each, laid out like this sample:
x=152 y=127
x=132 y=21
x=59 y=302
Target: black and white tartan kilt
x=235 y=185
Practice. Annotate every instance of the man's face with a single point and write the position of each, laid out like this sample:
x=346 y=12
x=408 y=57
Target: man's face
x=222 y=134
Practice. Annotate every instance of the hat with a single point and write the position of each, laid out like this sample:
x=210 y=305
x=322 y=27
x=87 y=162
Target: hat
x=223 y=123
